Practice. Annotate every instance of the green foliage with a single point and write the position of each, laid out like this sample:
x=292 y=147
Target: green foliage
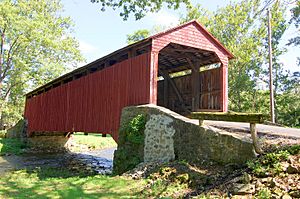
x=138 y=7
x=269 y=164
x=293 y=150
x=137 y=36
x=135 y=129
x=296 y=20
x=130 y=151
x=126 y=159
x=36 y=46
x=11 y=146
x=264 y=194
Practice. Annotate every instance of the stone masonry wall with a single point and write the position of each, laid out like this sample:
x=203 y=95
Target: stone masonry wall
x=170 y=136
x=159 y=141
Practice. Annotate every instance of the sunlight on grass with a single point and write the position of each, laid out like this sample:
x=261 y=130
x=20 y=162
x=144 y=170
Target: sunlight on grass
x=94 y=141
x=25 y=184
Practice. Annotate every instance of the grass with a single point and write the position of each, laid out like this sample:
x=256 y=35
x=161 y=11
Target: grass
x=94 y=141
x=42 y=184
x=11 y=146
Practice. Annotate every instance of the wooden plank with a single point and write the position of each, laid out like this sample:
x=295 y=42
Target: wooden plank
x=172 y=83
x=230 y=117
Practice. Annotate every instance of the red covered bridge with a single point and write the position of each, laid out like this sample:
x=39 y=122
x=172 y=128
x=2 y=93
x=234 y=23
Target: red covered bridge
x=166 y=69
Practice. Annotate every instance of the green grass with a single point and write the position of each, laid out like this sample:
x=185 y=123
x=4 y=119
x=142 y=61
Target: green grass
x=94 y=141
x=42 y=184
x=11 y=146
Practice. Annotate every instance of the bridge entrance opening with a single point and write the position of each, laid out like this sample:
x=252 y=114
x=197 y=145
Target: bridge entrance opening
x=188 y=79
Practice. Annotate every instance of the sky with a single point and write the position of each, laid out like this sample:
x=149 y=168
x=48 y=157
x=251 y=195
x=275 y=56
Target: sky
x=100 y=33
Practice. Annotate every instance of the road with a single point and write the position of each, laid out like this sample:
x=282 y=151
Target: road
x=261 y=128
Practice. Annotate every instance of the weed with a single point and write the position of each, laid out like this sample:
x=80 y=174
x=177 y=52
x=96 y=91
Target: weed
x=293 y=150
x=269 y=164
x=264 y=194
x=135 y=129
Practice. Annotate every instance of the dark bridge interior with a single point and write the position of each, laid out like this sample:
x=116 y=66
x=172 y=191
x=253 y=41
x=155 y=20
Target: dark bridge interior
x=181 y=86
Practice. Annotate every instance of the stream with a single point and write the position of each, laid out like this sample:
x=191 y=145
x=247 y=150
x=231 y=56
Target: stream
x=97 y=161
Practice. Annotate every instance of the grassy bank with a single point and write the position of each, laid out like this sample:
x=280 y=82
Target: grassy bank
x=275 y=174
x=61 y=184
x=11 y=146
x=79 y=142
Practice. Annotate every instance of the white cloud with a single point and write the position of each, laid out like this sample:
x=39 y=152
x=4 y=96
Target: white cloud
x=85 y=47
x=164 y=18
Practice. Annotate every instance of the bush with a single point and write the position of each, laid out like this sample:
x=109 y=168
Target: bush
x=135 y=129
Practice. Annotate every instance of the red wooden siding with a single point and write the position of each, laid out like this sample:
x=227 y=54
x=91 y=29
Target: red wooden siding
x=94 y=102
x=189 y=35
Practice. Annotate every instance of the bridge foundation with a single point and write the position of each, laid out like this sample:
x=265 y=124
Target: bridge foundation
x=150 y=133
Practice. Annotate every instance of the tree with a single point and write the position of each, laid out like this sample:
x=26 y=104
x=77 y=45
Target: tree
x=144 y=33
x=296 y=20
x=35 y=47
x=139 y=7
x=137 y=36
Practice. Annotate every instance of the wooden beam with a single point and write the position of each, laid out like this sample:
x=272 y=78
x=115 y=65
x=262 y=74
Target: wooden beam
x=230 y=117
x=172 y=83
x=195 y=82
x=166 y=93
x=251 y=118
x=153 y=78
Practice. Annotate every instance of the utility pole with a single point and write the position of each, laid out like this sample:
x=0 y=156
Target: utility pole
x=270 y=68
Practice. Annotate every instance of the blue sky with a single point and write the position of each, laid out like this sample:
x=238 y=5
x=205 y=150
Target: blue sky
x=100 y=33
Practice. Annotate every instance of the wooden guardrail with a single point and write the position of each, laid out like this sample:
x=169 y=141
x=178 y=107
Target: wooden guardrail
x=252 y=118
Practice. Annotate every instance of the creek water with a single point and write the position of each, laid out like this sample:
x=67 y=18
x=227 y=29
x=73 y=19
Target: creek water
x=97 y=161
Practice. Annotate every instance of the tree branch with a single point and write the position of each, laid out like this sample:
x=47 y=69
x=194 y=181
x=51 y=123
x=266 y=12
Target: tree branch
x=9 y=59
x=2 y=49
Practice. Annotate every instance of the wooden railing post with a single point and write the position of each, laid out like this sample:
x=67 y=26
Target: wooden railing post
x=255 y=139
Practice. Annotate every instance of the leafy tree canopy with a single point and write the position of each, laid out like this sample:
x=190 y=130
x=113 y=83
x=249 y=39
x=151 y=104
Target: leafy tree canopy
x=296 y=20
x=137 y=36
x=139 y=8
x=35 y=47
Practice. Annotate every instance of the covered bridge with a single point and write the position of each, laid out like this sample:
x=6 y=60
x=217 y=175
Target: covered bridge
x=165 y=69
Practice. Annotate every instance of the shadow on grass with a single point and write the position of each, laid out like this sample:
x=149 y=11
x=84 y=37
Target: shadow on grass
x=21 y=184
